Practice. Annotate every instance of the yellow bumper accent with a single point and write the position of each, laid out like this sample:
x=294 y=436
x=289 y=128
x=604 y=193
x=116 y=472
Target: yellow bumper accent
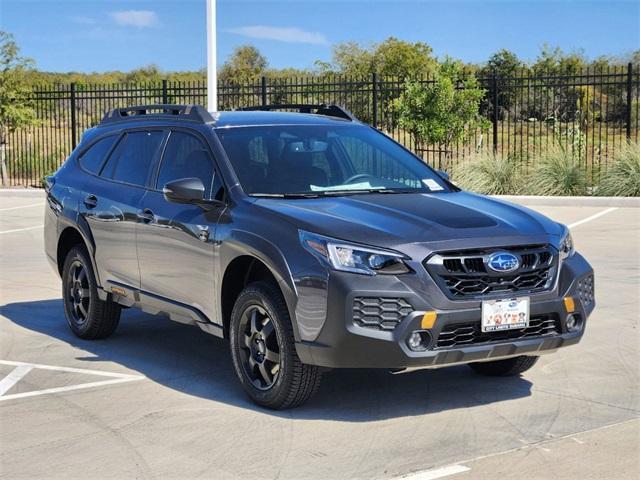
x=428 y=320
x=569 y=304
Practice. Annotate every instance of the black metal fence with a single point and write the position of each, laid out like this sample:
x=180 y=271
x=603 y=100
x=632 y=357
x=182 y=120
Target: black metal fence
x=592 y=113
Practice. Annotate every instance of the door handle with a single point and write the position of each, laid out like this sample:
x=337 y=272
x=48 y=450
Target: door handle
x=146 y=215
x=91 y=201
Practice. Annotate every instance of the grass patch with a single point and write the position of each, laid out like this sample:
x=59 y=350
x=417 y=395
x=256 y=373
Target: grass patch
x=488 y=174
x=622 y=179
x=557 y=172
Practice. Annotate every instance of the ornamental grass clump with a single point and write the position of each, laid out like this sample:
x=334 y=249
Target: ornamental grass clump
x=622 y=179
x=488 y=174
x=557 y=171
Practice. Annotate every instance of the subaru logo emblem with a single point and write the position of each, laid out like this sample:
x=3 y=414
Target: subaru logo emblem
x=503 y=262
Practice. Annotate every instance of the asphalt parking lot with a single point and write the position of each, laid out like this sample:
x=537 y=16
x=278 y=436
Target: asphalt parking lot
x=159 y=399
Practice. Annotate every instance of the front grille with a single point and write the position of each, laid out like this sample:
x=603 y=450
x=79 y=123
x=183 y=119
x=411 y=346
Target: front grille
x=465 y=274
x=380 y=313
x=470 y=333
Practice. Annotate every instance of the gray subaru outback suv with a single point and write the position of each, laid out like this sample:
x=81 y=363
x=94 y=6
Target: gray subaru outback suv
x=310 y=241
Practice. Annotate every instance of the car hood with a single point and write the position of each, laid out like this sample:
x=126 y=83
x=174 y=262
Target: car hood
x=400 y=221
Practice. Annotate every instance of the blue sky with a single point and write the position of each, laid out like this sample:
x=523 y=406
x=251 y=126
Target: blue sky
x=100 y=35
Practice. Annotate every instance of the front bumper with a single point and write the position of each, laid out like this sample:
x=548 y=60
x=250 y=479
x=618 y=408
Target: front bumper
x=343 y=343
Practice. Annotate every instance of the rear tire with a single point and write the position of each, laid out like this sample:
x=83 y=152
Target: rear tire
x=88 y=317
x=263 y=350
x=504 y=368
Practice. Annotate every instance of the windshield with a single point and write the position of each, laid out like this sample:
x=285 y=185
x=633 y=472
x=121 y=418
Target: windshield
x=303 y=160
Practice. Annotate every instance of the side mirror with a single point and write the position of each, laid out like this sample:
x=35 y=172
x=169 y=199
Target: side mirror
x=184 y=190
x=443 y=174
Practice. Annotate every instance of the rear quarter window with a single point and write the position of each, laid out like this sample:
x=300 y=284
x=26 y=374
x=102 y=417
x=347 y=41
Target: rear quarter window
x=93 y=158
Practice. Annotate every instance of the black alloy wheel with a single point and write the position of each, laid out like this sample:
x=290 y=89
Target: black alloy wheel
x=78 y=296
x=260 y=355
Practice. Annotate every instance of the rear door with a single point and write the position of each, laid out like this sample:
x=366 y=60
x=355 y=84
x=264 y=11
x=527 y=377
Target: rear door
x=176 y=241
x=111 y=205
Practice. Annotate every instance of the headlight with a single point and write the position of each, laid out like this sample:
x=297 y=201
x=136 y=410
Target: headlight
x=353 y=258
x=566 y=246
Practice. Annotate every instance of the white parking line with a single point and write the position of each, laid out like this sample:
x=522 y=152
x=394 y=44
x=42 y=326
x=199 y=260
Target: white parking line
x=437 y=473
x=593 y=217
x=14 y=377
x=22 y=368
x=39 y=204
x=22 y=229
x=460 y=468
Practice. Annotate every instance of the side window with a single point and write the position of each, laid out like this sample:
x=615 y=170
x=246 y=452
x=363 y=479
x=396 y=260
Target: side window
x=93 y=158
x=132 y=160
x=185 y=157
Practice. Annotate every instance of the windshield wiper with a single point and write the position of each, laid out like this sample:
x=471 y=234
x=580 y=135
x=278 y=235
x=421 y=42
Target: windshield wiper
x=329 y=193
x=334 y=193
x=286 y=195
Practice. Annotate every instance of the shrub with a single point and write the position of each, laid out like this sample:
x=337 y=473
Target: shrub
x=557 y=172
x=623 y=177
x=488 y=174
x=443 y=110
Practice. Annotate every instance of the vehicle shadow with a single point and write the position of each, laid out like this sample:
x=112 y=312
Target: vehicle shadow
x=183 y=358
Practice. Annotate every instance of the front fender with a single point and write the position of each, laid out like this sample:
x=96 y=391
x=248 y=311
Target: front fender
x=240 y=243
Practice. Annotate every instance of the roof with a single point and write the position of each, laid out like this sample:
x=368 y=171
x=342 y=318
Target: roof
x=261 y=118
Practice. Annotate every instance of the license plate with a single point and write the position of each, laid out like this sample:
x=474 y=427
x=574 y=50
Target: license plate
x=508 y=314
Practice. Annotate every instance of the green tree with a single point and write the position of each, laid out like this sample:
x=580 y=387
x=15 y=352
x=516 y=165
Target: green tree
x=397 y=58
x=148 y=73
x=390 y=58
x=349 y=58
x=558 y=100
x=15 y=108
x=505 y=65
x=245 y=64
x=441 y=111
x=554 y=61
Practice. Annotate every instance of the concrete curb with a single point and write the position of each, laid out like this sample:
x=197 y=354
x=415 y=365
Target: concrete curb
x=632 y=202
x=22 y=192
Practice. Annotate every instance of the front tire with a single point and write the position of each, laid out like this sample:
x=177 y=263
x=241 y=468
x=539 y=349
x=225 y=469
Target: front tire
x=88 y=317
x=505 y=368
x=263 y=350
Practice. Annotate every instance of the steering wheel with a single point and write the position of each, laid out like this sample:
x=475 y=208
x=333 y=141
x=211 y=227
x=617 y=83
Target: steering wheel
x=358 y=176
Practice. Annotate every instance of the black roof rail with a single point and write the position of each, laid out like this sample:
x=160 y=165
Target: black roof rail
x=194 y=113
x=321 y=109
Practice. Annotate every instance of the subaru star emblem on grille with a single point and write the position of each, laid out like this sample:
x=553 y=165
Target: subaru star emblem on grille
x=503 y=262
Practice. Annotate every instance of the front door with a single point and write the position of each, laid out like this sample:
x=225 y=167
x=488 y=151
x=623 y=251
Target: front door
x=176 y=241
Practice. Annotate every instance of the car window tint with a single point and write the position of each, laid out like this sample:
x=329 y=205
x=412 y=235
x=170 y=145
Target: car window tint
x=289 y=159
x=366 y=159
x=186 y=157
x=132 y=159
x=93 y=158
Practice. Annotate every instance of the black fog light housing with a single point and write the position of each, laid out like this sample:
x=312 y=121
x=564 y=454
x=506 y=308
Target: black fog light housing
x=419 y=340
x=573 y=322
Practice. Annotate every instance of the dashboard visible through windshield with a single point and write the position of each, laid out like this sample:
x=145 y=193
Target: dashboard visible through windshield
x=313 y=160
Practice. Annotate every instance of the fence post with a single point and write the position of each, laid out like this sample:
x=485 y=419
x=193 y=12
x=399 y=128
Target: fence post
x=263 y=90
x=165 y=94
x=74 y=125
x=629 y=106
x=495 y=112
x=374 y=94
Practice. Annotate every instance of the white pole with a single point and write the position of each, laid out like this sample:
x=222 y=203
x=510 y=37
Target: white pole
x=212 y=72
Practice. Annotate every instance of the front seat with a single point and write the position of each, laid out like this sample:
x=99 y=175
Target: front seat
x=297 y=172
